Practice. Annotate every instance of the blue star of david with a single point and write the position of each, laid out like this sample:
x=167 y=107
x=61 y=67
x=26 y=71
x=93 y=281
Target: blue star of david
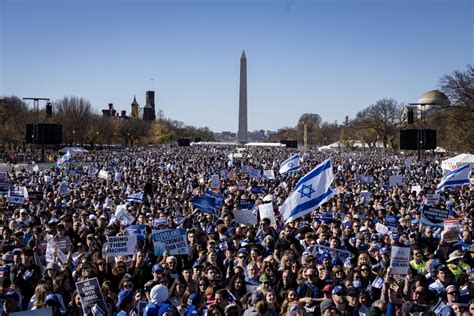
x=310 y=191
x=290 y=164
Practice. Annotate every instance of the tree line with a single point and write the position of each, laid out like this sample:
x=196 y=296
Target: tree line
x=381 y=122
x=377 y=123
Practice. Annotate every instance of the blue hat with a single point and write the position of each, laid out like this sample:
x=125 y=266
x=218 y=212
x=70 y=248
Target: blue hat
x=244 y=250
x=194 y=299
x=325 y=255
x=385 y=249
x=51 y=298
x=338 y=290
x=336 y=261
x=157 y=268
x=124 y=296
x=362 y=246
x=210 y=229
x=5 y=268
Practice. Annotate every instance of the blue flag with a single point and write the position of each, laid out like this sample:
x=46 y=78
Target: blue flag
x=456 y=178
x=310 y=192
x=205 y=204
x=291 y=164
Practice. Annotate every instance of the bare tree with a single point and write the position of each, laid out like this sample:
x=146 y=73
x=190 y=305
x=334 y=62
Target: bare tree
x=312 y=122
x=458 y=120
x=14 y=115
x=76 y=116
x=384 y=117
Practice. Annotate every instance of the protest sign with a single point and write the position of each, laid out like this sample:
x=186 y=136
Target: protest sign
x=399 y=260
x=408 y=162
x=392 y=223
x=452 y=229
x=366 y=194
x=395 y=180
x=137 y=230
x=381 y=229
x=215 y=182
x=246 y=217
x=92 y=171
x=334 y=252
x=246 y=205
x=432 y=199
x=54 y=253
x=121 y=245
x=257 y=189
x=241 y=185
x=64 y=189
x=205 y=204
x=254 y=173
x=173 y=241
x=43 y=311
x=103 y=175
x=218 y=198
x=18 y=196
x=266 y=211
x=124 y=217
x=364 y=179
x=91 y=296
x=118 y=176
x=269 y=174
x=433 y=216
x=416 y=188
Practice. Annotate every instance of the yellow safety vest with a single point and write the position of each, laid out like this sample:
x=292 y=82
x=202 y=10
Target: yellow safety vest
x=417 y=266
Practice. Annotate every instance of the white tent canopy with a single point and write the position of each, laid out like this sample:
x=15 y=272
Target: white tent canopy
x=73 y=150
x=457 y=161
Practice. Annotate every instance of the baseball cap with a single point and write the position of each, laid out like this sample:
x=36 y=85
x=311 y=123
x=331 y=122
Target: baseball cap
x=328 y=288
x=338 y=290
x=51 y=299
x=124 y=296
x=53 y=266
x=352 y=292
x=264 y=278
x=157 y=268
x=194 y=299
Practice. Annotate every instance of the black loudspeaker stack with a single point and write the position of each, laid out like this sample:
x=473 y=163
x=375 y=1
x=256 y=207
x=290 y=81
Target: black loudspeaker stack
x=289 y=143
x=410 y=138
x=47 y=134
x=183 y=142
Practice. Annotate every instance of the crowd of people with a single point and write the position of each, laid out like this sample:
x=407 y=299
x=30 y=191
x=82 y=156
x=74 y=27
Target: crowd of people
x=333 y=261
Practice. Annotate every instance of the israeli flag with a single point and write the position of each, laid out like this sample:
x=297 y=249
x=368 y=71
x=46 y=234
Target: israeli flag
x=291 y=164
x=310 y=192
x=205 y=204
x=62 y=160
x=456 y=178
x=135 y=198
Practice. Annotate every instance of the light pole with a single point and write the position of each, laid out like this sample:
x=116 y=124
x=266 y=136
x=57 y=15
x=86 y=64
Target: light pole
x=73 y=136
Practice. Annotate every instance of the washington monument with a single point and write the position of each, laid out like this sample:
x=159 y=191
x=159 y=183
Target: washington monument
x=242 y=133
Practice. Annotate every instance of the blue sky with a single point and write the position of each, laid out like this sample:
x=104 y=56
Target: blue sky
x=330 y=57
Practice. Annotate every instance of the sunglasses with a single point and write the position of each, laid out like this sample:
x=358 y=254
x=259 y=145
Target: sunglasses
x=453 y=293
x=265 y=282
x=418 y=293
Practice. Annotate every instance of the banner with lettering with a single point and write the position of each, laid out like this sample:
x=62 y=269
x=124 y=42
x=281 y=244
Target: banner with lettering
x=121 y=245
x=92 y=299
x=173 y=241
x=399 y=260
x=433 y=216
